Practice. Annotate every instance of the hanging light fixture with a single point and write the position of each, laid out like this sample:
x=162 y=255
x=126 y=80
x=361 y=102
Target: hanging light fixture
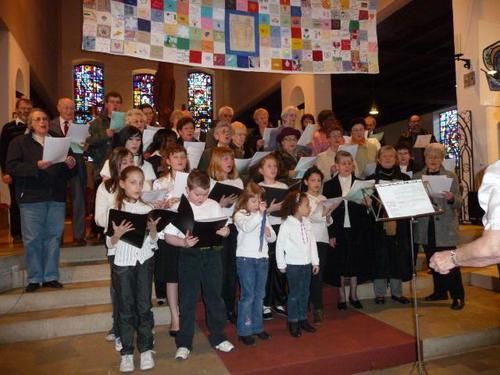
x=373 y=110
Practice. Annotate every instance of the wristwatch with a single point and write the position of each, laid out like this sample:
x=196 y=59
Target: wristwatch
x=453 y=255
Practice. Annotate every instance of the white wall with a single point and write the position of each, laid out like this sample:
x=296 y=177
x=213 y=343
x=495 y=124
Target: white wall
x=475 y=23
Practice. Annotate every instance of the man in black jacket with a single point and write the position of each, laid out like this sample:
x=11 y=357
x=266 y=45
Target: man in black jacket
x=10 y=131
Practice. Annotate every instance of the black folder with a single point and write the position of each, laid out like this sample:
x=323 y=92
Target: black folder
x=278 y=195
x=220 y=190
x=203 y=229
x=140 y=223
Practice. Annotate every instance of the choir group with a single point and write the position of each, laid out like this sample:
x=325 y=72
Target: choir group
x=281 y=234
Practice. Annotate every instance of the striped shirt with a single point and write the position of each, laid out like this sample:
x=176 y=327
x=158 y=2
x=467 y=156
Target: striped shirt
x=128 y=255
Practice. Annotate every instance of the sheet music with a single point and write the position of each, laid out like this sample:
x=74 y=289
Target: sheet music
x=438 y=184
x=242 y=165
x=405 y=199
x=117 y=122
x=180 y=184
x=377 y=136
x=331 y=203
x=307 y=135
x=369 y=169
x=422 y=141
x=359 y=189
x=269 y=138
x=56 y=149
x=147 y=136
x=78 y=133
x=154 y=195
x=305 y=162
x=352 y=149
x=257 y=156
x=194 y=152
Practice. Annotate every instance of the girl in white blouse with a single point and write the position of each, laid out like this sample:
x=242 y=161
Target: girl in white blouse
x=320 y=220
x=132 y=274
x=167 y=257
x=254 y=233
x=297 y=256
x=222 y=169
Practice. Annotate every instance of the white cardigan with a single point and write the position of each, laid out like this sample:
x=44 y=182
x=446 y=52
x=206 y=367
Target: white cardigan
x=248 y=225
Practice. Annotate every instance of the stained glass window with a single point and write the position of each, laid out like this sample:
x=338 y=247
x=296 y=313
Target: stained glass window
x=449 y=133
x=143 y=89
x=200 y=99
x=88 y=91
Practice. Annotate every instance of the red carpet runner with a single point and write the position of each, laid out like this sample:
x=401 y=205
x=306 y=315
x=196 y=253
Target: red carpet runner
x=346 y=342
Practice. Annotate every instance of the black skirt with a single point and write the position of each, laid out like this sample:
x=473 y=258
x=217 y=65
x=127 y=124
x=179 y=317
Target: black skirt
x=166 y=263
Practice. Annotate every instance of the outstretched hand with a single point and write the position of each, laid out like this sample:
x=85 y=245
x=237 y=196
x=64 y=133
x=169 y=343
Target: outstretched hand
x=121 y=229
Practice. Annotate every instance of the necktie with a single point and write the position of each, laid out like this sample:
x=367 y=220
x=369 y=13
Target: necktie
x=262 y=230
x=66 y=127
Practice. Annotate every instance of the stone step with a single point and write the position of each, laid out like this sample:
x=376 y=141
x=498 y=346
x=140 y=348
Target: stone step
x=73 y=295
x=486 y=278
x=69 y=273
x=72 y=321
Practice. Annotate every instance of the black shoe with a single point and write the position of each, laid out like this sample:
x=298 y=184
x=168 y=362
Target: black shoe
x=401 y=299
x=458 y=304
x=294 y=329
x=304 y=324
x=173 y=333
x=31 y=287
x=279 y=310
x=355 y=303
x=231 y=317
x=263 y=335
x=379 y=300
x=341 y=306
x=52 y=284
x=318 y=316
x=247 y=340
x=436 y=297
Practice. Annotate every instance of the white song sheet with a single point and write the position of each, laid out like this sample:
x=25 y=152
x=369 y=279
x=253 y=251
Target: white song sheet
x=194 y=152
x=405 y=199
x=422 y=141
x=437 y=184
x=56 y=149
x=307 y=134
x=180 y=184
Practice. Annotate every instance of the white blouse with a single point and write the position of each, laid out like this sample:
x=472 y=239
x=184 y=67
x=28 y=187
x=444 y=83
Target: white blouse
x=345 y=184
x=146 y=167
x=126 y=254
x=296 y=243
x=319 y=222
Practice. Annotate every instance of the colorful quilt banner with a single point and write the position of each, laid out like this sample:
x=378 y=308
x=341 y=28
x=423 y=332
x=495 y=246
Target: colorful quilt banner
x=281 y=36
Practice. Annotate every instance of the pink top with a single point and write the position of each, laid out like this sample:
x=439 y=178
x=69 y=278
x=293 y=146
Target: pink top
x=319 y=143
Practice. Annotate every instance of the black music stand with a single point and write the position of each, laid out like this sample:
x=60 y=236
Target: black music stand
x=403 y=200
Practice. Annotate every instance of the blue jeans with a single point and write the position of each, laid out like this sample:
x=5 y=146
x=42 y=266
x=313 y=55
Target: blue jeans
x=299 y=280
x=252 y=273
x=42 y=225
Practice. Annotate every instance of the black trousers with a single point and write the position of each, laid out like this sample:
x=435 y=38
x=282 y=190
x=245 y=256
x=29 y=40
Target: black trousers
x=316 y=287
x=452 y=281
x=133 y=287
x=229 y=279
x=15 y=215
x=276 y=285
x=114 y=299
x=200 y=268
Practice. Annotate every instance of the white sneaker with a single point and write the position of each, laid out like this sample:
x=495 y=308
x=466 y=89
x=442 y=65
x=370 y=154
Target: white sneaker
x=182 y=353
x=118 y=344
x=225 y=346
x=110 y=336
x=127 y=363
x=147 y=361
